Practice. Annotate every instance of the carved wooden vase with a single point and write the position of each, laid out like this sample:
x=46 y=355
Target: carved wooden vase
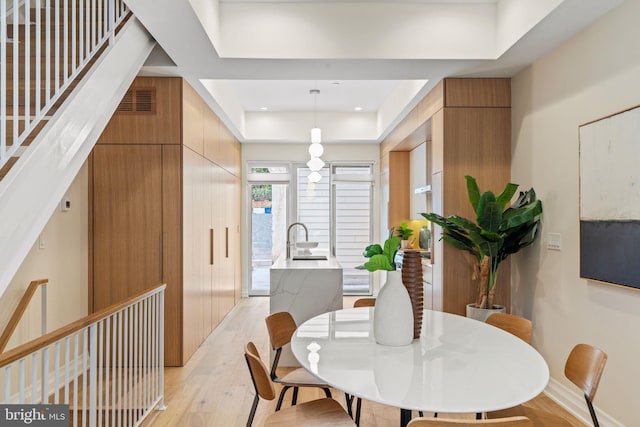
x=412 y=280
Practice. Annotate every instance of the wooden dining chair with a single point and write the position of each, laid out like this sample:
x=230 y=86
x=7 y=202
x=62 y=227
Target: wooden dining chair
x=318 y=413
x=584 y=367
x=441 y=422
x=364 y=302
x=515 y=325
x=281 y=327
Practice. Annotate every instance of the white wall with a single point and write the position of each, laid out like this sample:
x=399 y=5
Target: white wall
x=592 y=75
x=63 y=260
x=298 y=153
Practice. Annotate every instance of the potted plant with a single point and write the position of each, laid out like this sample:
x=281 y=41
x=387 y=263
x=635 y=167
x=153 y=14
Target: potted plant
x=393 y=318
x=404 y=232
x=382 y=258
x=500 y=230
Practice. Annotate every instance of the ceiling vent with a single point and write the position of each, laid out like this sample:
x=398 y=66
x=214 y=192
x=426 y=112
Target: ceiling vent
x=140 y=100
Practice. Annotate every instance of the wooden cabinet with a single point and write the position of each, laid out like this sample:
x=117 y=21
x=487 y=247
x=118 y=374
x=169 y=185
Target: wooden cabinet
x=468 y=125
x=167 y=213
x=398 y=205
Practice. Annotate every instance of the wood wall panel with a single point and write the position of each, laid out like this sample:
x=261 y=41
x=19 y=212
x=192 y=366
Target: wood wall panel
x=194 y=252
x=172 y=251
x=416 y=118
x=163 y=127
x=127 y=224
x=467 y=122
x=227 y=149
x=477 y=144
x=477 y=93
x=226 y=221
x=153 y=206
x=193 y=108
x=213 y=209
x=211 y=135
x=399 y=190
x=437 y=142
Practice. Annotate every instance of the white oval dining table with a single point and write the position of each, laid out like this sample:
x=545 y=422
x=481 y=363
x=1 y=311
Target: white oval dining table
x=458 y=365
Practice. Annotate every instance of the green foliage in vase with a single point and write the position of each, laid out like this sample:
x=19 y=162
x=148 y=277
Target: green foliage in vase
x=381 y=258
x=404 y=232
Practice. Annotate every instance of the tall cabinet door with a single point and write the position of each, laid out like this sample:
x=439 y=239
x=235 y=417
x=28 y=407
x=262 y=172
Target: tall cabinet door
x=135 y=239
x=195 y=252
x=226 y=220
x=214 y=252
x=127 y=221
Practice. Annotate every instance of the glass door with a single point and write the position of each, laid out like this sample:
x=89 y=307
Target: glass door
x=268 y=231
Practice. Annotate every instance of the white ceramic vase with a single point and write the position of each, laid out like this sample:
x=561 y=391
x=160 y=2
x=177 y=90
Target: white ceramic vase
x=393 y=314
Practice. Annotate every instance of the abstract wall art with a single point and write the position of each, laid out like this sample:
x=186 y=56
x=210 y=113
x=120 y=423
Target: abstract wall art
x=610 y=199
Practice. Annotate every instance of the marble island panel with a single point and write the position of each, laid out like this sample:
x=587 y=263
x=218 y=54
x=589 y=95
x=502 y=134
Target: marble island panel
x=304 y=288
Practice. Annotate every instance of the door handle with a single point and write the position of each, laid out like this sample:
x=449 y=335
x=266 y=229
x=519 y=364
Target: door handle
x=226 y=243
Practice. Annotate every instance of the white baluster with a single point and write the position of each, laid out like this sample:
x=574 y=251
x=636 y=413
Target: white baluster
x=56 y=373
x=93 y=372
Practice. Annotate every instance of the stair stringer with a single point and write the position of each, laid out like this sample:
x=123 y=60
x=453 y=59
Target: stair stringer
x=34 y=186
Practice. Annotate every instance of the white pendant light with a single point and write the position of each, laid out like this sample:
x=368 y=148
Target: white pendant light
x=316 y=150
x=314 y=177
x=316 y=135
x=315 y=164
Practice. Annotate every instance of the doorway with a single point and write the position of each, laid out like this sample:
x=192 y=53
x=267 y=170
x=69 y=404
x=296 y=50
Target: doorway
x=268 y=229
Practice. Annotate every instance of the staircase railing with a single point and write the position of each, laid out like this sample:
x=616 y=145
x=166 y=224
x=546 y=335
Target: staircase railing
x=37 y=67
x=22 y=307
x=108 y=367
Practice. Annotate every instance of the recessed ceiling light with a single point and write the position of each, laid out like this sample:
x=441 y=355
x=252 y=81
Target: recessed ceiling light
x=335 y=83
x=263 y=108
x=358 y=108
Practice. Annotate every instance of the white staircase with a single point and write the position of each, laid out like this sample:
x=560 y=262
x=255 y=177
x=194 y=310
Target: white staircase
x=35 y=184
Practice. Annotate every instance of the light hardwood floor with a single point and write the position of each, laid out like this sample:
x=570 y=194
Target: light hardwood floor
x=214 y=388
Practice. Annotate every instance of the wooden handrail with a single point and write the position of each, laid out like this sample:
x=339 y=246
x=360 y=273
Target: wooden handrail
x=48 y=339
x=19 y=312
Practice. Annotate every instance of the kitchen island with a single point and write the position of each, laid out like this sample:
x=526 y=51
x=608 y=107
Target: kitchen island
x=304 y=288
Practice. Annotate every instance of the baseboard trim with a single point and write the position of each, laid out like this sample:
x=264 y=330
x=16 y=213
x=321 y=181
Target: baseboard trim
x=575 y=404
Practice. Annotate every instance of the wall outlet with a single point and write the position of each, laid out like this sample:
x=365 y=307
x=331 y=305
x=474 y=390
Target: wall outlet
x=554 y=241
x=65 y=205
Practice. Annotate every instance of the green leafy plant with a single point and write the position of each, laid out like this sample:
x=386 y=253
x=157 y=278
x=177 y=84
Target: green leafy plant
x=381 y=258
x=404 y=232
x=498 y=232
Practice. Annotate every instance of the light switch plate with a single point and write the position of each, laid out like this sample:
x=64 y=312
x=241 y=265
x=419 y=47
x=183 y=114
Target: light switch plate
x=554 y=241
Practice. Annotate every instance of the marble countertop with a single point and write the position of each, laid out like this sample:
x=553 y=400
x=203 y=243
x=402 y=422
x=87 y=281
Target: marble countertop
x=288 y=264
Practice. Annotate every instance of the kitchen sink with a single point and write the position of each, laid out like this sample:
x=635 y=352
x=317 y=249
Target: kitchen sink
x=309 y=258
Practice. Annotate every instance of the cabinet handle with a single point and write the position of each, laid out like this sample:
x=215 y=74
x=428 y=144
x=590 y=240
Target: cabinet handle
x=211 y=240
x=226 y=243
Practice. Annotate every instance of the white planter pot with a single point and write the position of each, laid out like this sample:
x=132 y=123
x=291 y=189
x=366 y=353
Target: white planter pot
x=393 y=314
x=481 y=314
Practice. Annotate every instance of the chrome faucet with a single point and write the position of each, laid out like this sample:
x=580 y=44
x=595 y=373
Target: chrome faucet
x=306 y=236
